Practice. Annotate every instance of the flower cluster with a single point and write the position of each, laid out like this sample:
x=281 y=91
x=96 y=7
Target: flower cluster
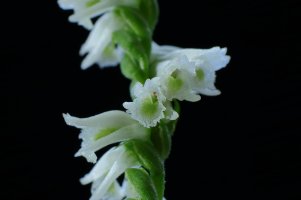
x=98 y=132
x=160 y=75
x=99 y=46
x=181 y=74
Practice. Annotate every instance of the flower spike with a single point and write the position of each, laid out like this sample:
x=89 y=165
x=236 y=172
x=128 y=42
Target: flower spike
x=161 y=75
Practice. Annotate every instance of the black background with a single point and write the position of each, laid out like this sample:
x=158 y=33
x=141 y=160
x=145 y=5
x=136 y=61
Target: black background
x=244 y=144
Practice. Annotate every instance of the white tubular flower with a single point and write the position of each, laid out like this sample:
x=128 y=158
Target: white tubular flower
x=99 y=47
x=204 y=81
x=176 y=79
x=147 y=107
x=105 y=173
x=85 y=10
x=105 y=129
x=206 y=62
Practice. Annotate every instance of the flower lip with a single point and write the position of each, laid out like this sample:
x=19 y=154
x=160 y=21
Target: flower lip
x=147 y=106
x=176 y=77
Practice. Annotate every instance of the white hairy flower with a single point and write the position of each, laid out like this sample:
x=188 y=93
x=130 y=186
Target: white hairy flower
x=104 y=129
x=85 y=10
x=99 y=46
x=205 y=63
x=176 y=78
x=104 y=174
x=147 y=107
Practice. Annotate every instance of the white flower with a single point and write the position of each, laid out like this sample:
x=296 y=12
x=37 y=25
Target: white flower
x=214 y=57
x=204 y=81
x=205 y=63
x=176 y=79
x=85 y=10
x=147 y=107
x=99 y=45
x=105 y=129
x=106 y=171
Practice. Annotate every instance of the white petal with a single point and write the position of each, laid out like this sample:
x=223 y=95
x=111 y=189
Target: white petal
x=159 y=52
x=99 y=40
x=124 y=161
x=83 y=13
x=103 y=165
x=209 y=92
x=134 y=131
x=114 y=192
x=135 y=110
x=113 y=118
x=150 y=87
x=214 y=57
x=177 y=77
x=138 y=89
x=66 y=4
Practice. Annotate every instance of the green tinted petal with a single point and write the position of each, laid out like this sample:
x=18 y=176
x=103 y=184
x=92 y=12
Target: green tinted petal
x=92 y=3
x=104 y=132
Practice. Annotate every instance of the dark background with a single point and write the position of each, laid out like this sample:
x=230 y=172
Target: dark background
x=244 y=144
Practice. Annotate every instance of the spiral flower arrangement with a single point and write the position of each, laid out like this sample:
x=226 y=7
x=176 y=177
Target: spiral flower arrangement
x=121 y=34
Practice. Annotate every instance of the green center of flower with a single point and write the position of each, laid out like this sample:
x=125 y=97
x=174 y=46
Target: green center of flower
x=200 y=74
x=174 y=83
x=149 y=106
x=104 y=132
x=92 y=3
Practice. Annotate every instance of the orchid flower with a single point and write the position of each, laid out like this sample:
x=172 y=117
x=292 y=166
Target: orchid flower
x=176 y=79
x=105 y=129
x=99 y=45
x=147 y=107
x=106 y=171
x=205 y=64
